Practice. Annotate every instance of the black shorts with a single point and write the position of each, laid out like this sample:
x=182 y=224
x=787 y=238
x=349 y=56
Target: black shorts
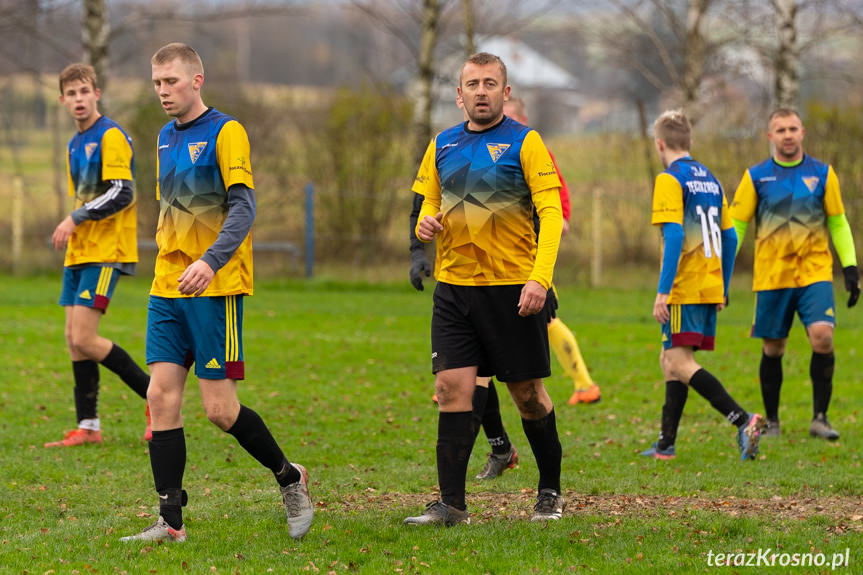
x=480 y=325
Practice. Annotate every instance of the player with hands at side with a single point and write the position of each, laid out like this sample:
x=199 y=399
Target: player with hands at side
x=100 y=238
x=795 y=201
x=697 y=260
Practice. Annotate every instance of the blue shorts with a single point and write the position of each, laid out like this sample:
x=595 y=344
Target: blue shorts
x=206 y=331
x=690 y=325
x=90 y=286
x=774 y=309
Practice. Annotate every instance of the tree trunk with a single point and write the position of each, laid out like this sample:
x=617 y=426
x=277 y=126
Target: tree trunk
x=693 y=65
x=425 y=78
x=95 y=34
x=469 y=35
x=787 y=81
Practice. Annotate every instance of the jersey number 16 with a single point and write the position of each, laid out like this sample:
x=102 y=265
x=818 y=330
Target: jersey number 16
x=710 y=231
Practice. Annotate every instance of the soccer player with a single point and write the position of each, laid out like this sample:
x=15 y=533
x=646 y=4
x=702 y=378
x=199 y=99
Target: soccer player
x=203 y=270
x=795 y=200
x=560 y=337
x=481 y=180
x=697 y=260
x=100 y=237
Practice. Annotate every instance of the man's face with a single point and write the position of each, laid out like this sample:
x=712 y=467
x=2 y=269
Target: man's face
x=178 y=88
x=81 y=99
x=786 y=135
x=482 y=90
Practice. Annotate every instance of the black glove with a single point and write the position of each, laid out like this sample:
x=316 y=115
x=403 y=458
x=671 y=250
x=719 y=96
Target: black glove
x=852 y=284
x=419 y=265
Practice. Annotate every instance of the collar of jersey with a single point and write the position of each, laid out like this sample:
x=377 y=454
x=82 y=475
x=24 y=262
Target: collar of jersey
x=190 y=123
x=789 y=164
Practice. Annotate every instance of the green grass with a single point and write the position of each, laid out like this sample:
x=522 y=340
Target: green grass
x=340 y=373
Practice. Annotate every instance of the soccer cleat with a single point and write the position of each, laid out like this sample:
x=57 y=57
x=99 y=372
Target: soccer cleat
x=549 y=506
x=434 y=398
x=497 y=463
x=589 y=395
x=77 y=437
x=772 y=429
x=656 y=453
x=439 y=513
x=749 y=435
x=148 y=432
x=820 y=427
x=159 y=531
x=298 y=504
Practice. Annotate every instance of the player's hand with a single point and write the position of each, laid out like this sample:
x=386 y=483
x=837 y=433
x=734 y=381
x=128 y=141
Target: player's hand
x=429 y=226
x=532 y=299
x=63 y=232
x=195 y=278
x=723 y=305
x=565 y=229
x=852 y=284
x=660 y=308
x=419 y=266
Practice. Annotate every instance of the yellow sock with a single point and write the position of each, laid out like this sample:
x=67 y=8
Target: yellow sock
x=565 y=347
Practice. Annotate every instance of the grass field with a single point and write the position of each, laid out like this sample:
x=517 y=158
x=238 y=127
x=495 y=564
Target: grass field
x=340 y=373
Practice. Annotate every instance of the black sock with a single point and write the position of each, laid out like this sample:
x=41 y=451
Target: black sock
x=676 y=393
x=710 y=389
x=86 y=374
x=168 y=461
x=770 y=373
x=254 y=436
x=545 y=444
x=455 y=437
x=821 y=372
x=493 y=424
x=125 y=367
x=480 y=399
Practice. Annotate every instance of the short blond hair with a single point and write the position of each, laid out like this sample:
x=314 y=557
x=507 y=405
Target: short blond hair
x=783 y=112
x=483 y=59
x=179 y=51
x=674 y=129
x=78 y=72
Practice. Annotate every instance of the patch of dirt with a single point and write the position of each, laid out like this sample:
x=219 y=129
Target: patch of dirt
x=846 y=512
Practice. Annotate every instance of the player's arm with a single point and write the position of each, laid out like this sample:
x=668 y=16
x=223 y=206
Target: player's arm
x=667 y=213
x=742 y=209
x=237 y=225
x=544 y=184
x=840 y=233
x=117 y=172
x=420 y=265
x=427 y=184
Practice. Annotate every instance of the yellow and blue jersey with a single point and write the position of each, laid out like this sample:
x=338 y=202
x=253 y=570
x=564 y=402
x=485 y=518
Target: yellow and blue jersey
x=687 y=193
x=791 y=205
x=197 y=163
x=96 y=159
x=486 y=184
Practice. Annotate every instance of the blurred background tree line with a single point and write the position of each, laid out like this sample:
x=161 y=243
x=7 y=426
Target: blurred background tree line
x=345 y=95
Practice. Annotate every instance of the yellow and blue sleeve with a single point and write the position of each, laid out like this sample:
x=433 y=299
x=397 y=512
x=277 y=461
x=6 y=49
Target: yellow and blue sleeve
x=544 y=183
x=233 y=154
x=427 y=184
x=667 y=200
x=116 y=156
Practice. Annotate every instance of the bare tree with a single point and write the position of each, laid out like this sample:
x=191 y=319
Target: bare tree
x=95 y=34
x=469 y=32
x=787 y=61
x=425 y=78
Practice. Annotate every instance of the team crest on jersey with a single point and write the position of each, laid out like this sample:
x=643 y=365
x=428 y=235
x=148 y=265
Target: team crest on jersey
x=195 y=150
x=811 y=182
x=496 y=151
x=90 y=148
